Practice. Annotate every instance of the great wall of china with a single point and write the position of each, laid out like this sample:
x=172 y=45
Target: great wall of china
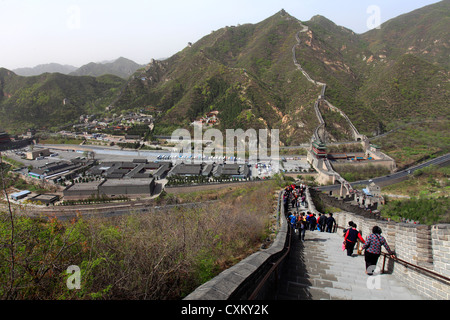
x=422 y=262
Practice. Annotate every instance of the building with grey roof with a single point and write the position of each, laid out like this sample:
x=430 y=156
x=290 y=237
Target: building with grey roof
x=207 y=170
x=232 y=170
x=131 y=170
x=132 y=188
x=44 y=199
x=81 y=191
x=186 y=170
x=60 y=170
x=162 y=171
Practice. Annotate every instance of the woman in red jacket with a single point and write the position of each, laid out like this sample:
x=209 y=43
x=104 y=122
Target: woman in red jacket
x=351 y=236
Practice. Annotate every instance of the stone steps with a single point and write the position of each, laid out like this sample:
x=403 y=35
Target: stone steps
x=318 y=269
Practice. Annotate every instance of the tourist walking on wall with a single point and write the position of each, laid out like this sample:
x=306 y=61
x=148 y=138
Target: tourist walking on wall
x=323 y=222
x=286 y=199
x=350 y=238
x=330 y=223
x=293 y=200
x=301 y=225
x=313 y=222
x=372 y=249
x=307 y=217
x=350 y=224
x=292 y=220
x=318 y=222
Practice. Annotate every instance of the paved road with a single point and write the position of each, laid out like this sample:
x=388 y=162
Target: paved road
x=395 y=177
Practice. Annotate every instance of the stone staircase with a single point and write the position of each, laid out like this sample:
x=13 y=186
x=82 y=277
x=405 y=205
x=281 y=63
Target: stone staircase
x=318 y=269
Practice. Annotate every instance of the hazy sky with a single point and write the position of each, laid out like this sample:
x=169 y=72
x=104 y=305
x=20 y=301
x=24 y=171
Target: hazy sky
x=77 y=32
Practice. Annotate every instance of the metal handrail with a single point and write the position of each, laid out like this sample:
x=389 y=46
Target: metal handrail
x=396 y=259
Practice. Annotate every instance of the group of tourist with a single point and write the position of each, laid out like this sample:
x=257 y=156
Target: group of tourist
x=295 y=195
x=303 y=221
x=300 y=222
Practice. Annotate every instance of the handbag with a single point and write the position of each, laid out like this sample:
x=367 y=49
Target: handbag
x=344 y=245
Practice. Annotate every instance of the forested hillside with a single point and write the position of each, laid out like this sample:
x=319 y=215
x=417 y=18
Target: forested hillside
x=385 y=77
x=52 y=99
x=247 y=74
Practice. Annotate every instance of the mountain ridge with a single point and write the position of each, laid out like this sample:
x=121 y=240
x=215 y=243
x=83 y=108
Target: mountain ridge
x=247 y=73
x=280 y=96
x=51 y=100
x=121 y=67
x=44 y=68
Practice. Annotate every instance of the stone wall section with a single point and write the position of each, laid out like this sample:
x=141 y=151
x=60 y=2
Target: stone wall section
x=424 y=246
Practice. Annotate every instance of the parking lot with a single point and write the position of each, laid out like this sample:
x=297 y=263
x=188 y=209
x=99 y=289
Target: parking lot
x=295 y=164
x=264 y=168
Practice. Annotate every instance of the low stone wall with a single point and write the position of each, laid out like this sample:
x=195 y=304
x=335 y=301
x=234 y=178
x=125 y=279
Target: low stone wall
x=239 y=281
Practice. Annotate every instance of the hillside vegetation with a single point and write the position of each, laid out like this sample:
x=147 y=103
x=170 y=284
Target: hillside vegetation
x=121 y=67
x=162 y=255
x=426 y=199
x=414 y=142
x=381 y=78
x=38 y=101
x=247 y=73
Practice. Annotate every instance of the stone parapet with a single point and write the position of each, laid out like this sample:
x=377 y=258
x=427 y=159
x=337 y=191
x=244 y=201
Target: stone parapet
x=239 y=281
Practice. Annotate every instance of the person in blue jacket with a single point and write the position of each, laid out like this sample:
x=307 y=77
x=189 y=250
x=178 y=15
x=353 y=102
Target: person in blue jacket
x=293 y=220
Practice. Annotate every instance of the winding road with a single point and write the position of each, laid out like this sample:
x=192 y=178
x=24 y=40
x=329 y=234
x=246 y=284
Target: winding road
x=396 y=177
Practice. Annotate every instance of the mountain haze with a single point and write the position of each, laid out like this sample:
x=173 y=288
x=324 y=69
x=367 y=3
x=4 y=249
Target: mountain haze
x=121 y=67
x=44 y=68
x=381 y=78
